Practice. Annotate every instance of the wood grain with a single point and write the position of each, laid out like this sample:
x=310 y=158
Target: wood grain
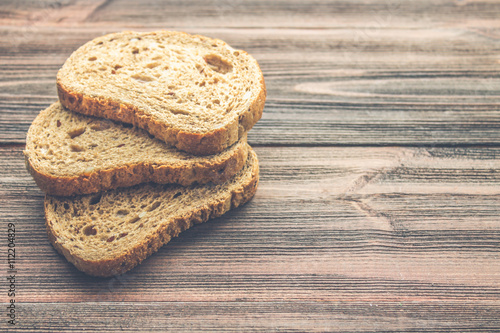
x=379 y=201
x=405 y=237
x=395 y=87
x=254 y=14
x=298 y=316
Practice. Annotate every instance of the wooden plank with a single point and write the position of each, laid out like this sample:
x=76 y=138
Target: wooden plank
x=397 y=87
x=331 y=224
x=344 y=237
x=253 y=14
x=336 y=239
x=319 y=316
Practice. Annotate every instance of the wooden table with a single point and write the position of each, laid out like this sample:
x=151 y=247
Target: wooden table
x=379 y=201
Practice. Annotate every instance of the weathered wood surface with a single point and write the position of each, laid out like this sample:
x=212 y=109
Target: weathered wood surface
x=378 y=207
x=339 y=239
x=378 y=81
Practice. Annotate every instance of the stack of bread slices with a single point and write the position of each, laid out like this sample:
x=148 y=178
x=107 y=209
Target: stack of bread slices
x=148 y=138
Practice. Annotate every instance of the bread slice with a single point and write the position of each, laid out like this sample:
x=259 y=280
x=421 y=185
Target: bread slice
x=193 y=92
x=109 y=233
x=69 y=153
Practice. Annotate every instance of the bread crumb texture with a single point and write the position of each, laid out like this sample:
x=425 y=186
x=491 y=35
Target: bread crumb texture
x=169 y=83
x=108 y=233
x=69 y=153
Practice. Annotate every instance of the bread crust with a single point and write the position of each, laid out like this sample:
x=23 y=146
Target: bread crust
x=207 y=143
x=97 y=177
x=170 y=228
x=133 y=174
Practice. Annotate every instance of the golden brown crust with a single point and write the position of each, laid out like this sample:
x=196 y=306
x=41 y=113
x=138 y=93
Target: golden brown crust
x=134 y=256
x=201 y=144
x=197 y=144
x=129 y=175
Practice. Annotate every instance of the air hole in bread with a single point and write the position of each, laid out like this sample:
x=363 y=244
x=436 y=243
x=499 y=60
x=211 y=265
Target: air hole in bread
x=122 y=213
x=117 y=67
x=66 y=205
x=76 y=148
x=102 y=68
x=58 y=123
x=142 y=78
x=123 y=234
x=178 y=194
x=100 y=126
x=90 y=230
x=152 y=65
x=135 y=50
x=93 y=58
x=110 y=239
x=73 y=133
x=236 y=53
x=134 y=219
x=218 y=64
x=154 y=206
x=95 y=199
x=216 y=101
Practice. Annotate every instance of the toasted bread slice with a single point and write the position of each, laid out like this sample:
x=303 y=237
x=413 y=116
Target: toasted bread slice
x=109 y=233
x=193 y=92
x=68 y=153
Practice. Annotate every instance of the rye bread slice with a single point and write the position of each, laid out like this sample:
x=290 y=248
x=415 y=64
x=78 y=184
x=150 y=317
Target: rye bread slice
x=69 y=153
x=109 y=233
x=193 y=92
